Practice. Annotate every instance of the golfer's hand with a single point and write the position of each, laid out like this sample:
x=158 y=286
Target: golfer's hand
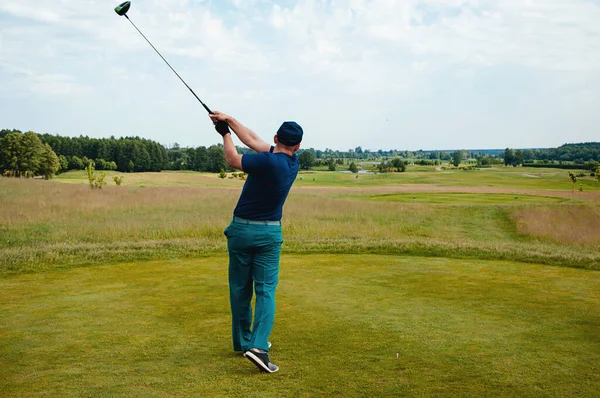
x=220 y=121
x=217 y=116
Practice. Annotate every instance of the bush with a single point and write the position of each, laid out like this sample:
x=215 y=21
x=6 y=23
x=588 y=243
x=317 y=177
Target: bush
x=95 y=180
x=100 y=180
x=118 y=180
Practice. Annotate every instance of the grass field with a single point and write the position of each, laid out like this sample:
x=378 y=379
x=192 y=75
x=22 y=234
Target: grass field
x=425 y=283
x=519 y=178
x=465 y=198
x=360 y=325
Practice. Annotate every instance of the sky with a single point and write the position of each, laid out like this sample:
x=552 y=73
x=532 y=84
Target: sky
x=380 y=74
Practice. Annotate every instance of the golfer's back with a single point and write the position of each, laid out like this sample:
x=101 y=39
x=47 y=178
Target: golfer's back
x=270 y=178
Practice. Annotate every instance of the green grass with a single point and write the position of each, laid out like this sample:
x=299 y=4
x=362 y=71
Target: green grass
x=164 y=178
x=464 y=291
x=44 y=224
x=464 y=198
x=514 y=177
x=354 y=325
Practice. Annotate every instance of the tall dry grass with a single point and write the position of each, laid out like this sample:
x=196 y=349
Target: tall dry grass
x=44 y=223
x=566 y=225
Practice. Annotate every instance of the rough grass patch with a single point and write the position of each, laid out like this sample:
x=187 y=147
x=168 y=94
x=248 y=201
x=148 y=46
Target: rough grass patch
x=46 y=224
x=568 y=225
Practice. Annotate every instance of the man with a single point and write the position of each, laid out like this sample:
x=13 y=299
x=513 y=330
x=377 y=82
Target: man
x=254 y=235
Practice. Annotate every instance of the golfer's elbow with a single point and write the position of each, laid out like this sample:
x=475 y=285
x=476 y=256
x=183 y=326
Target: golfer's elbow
x=234 y=161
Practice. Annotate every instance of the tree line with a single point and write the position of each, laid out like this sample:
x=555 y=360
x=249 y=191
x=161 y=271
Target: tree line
x=582 y=152
x=135 y=154
x=128 y=154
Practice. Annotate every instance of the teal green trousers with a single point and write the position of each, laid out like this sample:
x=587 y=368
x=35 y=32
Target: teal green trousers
x=254 y=252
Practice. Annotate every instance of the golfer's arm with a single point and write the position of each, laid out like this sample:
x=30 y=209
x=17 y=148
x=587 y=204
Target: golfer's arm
x=247 y=136
x=232 y=157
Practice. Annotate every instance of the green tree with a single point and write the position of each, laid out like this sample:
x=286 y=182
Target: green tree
x=30 y=154
x=353 y=168
x=75 y=163
x=64 y=163
x=518 y=159
x=21 y=155
x=201 y=159
x=306 y=159
x=49 y=164
x=104 y=151
x=140 y=156
x=9 y=154
x=331 y=164
x=5 y=132
x=457 y=157
x=598 y=173
x=509 y=157
x=100 y=164
x=399 y=165
x=384 y=167
x=216 y=159
x=528 y=155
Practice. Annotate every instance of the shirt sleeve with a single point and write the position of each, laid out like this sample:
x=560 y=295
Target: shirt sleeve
x=256 y=163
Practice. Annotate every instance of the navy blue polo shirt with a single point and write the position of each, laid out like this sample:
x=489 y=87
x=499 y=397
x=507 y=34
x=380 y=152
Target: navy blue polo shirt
x=270 y=177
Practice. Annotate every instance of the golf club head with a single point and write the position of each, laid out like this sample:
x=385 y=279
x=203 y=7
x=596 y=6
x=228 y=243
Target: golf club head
x=122 y=8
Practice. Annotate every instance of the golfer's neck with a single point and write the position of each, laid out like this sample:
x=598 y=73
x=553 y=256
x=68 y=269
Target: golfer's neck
x=278 y=148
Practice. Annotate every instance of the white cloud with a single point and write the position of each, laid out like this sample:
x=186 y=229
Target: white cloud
x=338 y=64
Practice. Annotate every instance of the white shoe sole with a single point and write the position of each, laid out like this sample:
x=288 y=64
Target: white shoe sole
x=260 y=364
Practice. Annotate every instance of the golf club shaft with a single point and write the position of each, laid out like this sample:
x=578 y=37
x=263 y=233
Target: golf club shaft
x=174 y=71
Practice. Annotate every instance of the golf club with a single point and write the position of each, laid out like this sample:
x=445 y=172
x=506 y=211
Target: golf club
x=221 y=126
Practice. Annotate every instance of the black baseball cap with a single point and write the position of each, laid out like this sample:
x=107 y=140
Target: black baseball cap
x=290 y=133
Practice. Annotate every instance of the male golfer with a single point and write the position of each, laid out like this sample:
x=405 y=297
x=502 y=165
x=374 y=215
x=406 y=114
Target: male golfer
x=254 y=235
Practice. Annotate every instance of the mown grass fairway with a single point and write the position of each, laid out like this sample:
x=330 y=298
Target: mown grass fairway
x=459 y=328
x=464 y=198
x=463 y=291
